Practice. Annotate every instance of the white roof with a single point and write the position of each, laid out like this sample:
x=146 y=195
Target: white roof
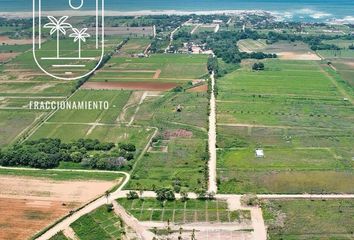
x=259 y=153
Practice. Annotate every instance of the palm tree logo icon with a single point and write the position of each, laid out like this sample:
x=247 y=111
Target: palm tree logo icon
x=57 y=26
x=79 y=35
x=68 y=46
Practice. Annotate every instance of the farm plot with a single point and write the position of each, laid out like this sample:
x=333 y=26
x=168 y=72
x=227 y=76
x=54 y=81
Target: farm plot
x=305 y=219
x=115 y=99
x=14 y=122
x=346 y=69
x=128 y=31
x=135 y=46
x=299 y=119
x=343 y=53
x=184 y=135
x=59 y=236
x=285 y=50
x=184 y=212
x=152 y=71
x=27 y=204
x=99 y=124
x=99 y=224
x=164 y=110
x=183 y=162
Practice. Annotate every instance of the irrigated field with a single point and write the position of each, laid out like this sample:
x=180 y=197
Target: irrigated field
x=300 y=115
x=184 y=212
x=99 y=224
x=153 y=70
x=309 y=219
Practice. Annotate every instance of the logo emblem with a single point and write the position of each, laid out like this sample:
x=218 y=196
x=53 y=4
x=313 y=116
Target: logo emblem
x=65 y=46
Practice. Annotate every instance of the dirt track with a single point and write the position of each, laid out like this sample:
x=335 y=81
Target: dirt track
x=142 y=86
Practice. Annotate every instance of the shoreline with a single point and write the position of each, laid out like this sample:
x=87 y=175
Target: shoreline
x=135 y=13
x=112 y=13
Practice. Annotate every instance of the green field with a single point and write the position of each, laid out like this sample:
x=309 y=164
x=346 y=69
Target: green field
x=183 y=212
x=293 y=111
x=135 y=46
x=99 y=224
x=63 y=175
x=185 y=156
x=309 y=219
x=345 y=69
x=175 y=68
x=343 y=53
x=14 y=122
x=116 y=100
x=59 y=236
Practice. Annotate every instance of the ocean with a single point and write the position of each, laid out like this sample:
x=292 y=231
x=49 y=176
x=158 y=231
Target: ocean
x=291 y=10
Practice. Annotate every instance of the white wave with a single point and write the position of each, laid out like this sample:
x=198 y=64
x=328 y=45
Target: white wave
x=301 y=13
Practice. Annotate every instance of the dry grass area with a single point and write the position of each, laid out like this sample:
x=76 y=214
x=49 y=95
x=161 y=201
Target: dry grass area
x=8 y=41
x=22 y=218
x=285 y=50
x=298 y=56
x=7 y=56
x=29 y=204
x=200 y=88
x=139 y=86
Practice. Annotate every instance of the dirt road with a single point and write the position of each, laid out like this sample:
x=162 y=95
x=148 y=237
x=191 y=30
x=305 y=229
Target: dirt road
x=212 y=187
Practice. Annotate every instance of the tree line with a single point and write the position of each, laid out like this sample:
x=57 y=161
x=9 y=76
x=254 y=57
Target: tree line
x=47 y=153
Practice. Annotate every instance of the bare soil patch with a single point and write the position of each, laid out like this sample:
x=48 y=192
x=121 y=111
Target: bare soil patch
x=45 y=189
x=350 y=64
x=201 y=88
x=148 y=86
x=22 y=218
x=298 y=56
x=9 y=41
x=157 y=74
x=6 y=56
x=178 y=133
x=27 y=204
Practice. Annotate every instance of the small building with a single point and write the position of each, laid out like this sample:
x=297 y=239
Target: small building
x=259 y=153
x=218 y=21
x=179 y=108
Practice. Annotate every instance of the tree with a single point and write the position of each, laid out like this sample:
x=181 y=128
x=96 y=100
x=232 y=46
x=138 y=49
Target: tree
x=79 y=35
x=201 y=193
x=106 y=194
x=164 y=194
x=131 y=195
x=76 y=157
x=250 y=200
x=57 y=26
x=184 y=195
x=210 y=195
x=258 y=66
x=193 y=235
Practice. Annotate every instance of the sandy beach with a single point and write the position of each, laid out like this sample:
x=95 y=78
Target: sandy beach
x=134 y=13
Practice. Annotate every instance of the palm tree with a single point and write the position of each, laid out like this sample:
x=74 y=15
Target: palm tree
x=79 y=35
x=106 y=194
x=57 y=26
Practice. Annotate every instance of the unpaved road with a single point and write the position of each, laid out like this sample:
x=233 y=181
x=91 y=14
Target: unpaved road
x=212 y=187
x=85 y=210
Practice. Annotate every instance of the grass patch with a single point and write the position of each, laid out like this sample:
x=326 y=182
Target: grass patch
x=309 y=219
